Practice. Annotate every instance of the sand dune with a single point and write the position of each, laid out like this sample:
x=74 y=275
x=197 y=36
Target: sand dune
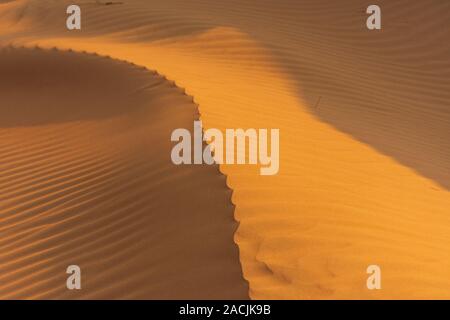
x=86 y=178
x=363 y=117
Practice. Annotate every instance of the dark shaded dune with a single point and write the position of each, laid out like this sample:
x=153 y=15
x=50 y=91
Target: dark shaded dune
x=85 y=89
x=388 y=88
x=86 y=178
x=131 y=19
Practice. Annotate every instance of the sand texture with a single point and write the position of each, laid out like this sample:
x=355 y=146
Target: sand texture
x=364 y=119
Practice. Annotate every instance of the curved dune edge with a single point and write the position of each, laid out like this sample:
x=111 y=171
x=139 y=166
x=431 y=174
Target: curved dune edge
x=337 y=205
x=292 y=248
x=86 y=178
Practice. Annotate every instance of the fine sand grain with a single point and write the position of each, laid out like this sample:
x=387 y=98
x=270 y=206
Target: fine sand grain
x=364 y=123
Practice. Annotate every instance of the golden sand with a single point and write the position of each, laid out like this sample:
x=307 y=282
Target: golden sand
x=363 y=119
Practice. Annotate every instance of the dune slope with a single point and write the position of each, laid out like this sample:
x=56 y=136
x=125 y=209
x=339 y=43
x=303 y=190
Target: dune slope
x=363 y=119
x=86 y=178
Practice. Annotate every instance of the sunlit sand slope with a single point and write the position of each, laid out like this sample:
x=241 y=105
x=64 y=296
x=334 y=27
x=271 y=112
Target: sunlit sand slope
x=86 y=178
x=363 y=119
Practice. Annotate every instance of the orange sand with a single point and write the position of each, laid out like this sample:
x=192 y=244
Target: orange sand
x=363 y=119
